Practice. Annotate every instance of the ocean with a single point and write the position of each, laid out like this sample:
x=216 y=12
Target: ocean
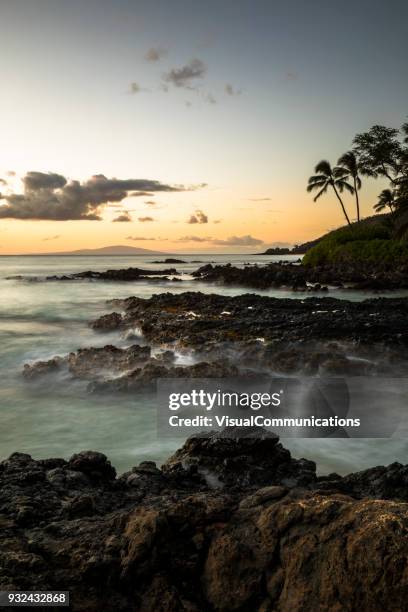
x=39 y=320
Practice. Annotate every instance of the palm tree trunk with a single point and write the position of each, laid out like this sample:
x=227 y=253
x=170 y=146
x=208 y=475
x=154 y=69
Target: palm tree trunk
x=357 y=200
x=341 y=203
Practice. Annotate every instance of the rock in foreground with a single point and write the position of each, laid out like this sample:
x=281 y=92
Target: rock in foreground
x=196 y=536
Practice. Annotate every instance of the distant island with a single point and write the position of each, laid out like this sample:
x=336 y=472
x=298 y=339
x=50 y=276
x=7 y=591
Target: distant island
x=108 y=250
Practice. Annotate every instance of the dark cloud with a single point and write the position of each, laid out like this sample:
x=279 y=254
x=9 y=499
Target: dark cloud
x=137 y=238
x=186 y=76
x=145 y=219
x=231 y=91
x=138 y=194
x=199 y=217
x=155 y=54
x=36 y=181
x=51 y=238
x=123 y=218
x=238 y=241
x=49 y=196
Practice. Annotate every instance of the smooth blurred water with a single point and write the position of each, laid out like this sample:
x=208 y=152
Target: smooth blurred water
x=39 y=320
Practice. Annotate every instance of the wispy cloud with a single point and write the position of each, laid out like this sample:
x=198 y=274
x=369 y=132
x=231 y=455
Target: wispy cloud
x=193 y=239
x=51 y=238
x=238 y=241
x=230 y=241
x=155 y=54
x=137 y=238
x=259 y=199
x=186 y=76
x=123 y=218
x=145 y=219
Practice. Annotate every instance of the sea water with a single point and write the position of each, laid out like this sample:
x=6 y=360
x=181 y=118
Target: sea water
x=53 y=417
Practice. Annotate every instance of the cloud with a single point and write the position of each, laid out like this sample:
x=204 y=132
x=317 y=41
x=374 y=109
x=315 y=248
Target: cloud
x=36 y=181
x=199 y=217
x=231 y=91
x=50 y=196
x=137 y=238
x=259 y=199
x=193 y=239
x=11 y=173
x=217 y=221
x=145 y=219
x=292 y=76
x=155 y=54
x=51 y=238
x=231 y=241
x=123 y=218
x=138 y=194
x=3 y=182
x=187 y=75
x=238 y=241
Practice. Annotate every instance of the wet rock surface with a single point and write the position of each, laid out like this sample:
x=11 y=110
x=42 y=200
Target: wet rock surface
x=227 y=336
x=194 y=318
x=126 y=274
x=226 y=524
x=306 y=278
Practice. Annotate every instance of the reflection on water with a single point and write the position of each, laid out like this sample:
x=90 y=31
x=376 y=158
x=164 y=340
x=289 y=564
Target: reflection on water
x=39 y=320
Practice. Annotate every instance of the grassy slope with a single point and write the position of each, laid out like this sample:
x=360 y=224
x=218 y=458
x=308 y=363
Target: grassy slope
x=369 y=241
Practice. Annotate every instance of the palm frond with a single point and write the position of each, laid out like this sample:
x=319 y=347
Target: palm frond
x=344 y=185
x=323 y=167
x=314 y=186
x=321 y=192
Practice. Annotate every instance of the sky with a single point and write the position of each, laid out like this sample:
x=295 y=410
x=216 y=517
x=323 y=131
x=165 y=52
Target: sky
x=187 y=126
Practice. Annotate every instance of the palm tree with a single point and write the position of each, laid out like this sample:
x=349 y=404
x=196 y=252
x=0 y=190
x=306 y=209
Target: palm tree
x=326 y=177
x=385 y=199
x=349 y=162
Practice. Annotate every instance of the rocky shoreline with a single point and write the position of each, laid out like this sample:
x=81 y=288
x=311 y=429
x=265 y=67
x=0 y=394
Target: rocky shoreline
x=292 y=276
x=227 y=336
x=229 y=522
x=298 y=277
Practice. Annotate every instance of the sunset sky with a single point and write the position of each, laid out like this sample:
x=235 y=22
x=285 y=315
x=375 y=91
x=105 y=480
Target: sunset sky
x=199 y=121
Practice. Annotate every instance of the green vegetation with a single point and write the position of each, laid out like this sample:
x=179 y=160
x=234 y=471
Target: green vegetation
x=381 y=152
x=372 y=244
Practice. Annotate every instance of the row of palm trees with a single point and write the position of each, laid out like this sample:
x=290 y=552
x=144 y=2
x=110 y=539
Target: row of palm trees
x=379 y=152
x=345 y=176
